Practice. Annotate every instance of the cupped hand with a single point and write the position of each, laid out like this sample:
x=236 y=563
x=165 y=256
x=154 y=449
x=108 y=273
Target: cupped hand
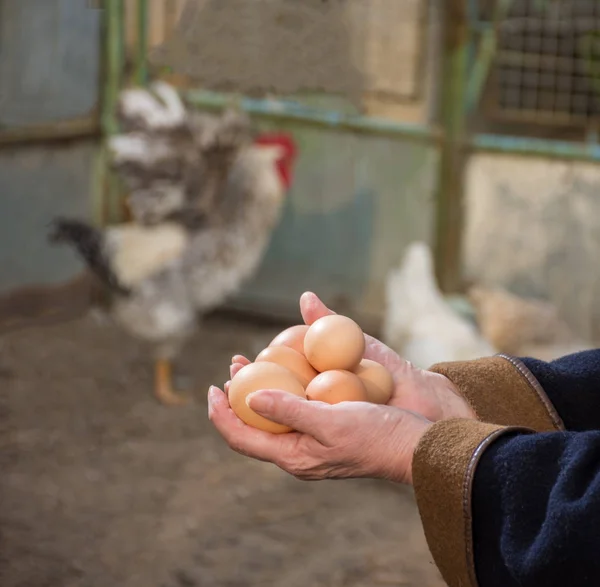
x=430 y=394
x=346 y=440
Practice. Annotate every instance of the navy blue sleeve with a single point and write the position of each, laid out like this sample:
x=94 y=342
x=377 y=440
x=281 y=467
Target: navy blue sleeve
x=572 y=384
x=536 y=511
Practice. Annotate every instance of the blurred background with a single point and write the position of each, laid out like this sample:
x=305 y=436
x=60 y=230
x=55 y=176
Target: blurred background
x=445 y=195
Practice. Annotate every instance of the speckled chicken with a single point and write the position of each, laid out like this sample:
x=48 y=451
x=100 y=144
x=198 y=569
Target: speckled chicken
x=205 y=195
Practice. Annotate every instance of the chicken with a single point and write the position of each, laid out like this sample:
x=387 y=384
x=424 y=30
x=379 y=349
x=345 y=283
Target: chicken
x=158 y=109
x=523 y=326
x=206 y=195
x=141 y=268
x=175 y=160
x=419 y=324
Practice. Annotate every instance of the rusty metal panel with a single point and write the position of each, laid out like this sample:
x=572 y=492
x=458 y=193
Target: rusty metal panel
x=37 y=183
x=357 y=201
x=49 y=61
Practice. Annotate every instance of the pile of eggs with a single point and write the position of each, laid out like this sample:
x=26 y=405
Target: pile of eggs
x=323 y=362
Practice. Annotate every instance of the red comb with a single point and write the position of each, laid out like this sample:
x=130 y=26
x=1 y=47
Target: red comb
x=280 y=139
x=286 y=162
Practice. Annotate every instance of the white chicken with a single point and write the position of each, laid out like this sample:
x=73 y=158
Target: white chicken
x=419 y=324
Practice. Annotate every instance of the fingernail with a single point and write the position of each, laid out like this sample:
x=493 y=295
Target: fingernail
x=210 y=396
x=259 y=401
x=231 y=371
x=213 y=392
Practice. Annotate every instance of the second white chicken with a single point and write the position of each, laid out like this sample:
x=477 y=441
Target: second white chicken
x=419 y=324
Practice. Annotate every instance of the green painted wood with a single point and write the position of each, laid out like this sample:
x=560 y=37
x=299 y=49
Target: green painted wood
x=141 y=57
x=110 y=206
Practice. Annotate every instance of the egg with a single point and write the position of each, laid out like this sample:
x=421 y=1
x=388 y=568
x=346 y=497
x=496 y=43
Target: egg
x=377 y=380
x=255 y=377
x=336 y=386
x=292 y=337
x=290 y=359
x=334 y=342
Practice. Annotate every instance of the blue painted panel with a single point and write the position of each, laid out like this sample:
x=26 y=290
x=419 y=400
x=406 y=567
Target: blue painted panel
x=357 y=201
x=49 y=60
x=49 y=72
x=310 y=245
x=37 y=183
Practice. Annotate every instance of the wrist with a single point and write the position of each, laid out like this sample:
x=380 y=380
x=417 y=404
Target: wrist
x=403 y=442
x=422 y=430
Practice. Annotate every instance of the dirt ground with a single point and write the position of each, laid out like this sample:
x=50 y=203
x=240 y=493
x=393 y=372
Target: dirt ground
x=102 y=487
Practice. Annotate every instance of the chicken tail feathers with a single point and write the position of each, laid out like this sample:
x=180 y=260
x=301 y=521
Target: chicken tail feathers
x=40 y=305
x=89 y=243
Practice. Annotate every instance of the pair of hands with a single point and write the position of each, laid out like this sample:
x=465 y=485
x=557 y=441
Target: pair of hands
x=346 y=440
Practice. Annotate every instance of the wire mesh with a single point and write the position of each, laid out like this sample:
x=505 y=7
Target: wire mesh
x=283 y=47
x=546 y=68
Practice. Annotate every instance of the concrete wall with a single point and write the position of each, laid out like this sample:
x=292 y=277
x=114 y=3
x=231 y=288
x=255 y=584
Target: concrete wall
x=391 y=46
x=533 y=225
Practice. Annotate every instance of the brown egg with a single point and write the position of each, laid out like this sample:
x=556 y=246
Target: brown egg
x=377 y=380
x=336 y=386
x=291 y=360
x=292 y=337
x=334 y=342
x=257 y=376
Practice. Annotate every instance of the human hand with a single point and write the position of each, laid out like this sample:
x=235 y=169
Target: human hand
x=342 y=441
x=430 y=394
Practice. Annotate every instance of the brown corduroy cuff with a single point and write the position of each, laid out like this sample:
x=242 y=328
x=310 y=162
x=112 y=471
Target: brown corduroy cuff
x=443 y=469
x=503 y=391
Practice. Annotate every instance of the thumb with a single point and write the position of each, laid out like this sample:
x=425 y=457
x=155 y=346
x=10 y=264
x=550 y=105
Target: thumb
x=308 y=417
x=312 y=308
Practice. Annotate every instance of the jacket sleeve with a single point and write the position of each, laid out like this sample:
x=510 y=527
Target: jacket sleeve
x=571 y=384
x=535 y=511
x=505 y=506
x=501 y=498
x=562 y=394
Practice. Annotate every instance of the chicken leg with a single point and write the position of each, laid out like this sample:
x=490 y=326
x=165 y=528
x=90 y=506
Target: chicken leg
x=163 y=382
x=126 y=211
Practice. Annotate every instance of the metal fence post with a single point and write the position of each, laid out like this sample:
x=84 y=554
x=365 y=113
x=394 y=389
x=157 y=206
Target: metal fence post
x=141 y=64
x=449 y=218
x=109 y=198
